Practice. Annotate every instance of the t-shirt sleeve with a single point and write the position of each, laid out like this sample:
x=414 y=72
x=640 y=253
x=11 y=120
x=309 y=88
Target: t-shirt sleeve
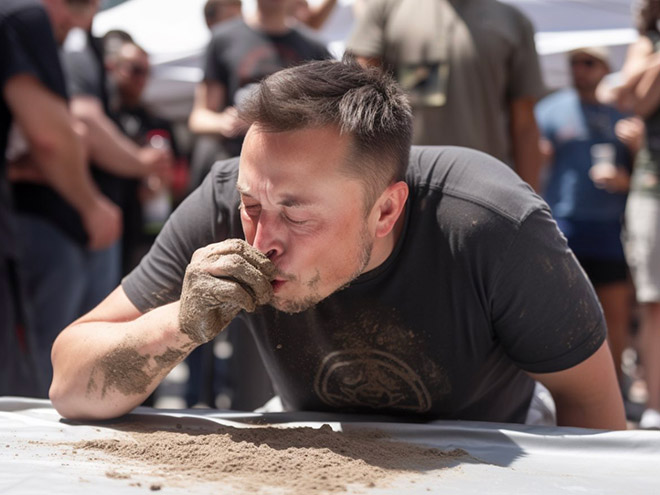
x=157 y=280
x=545 y=312
x=368 y=36
x=28 y=47
x=525 y=79
x=81 y=78
x=214 y=69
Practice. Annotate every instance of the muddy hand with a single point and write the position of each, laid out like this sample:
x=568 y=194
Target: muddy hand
x=220 y=280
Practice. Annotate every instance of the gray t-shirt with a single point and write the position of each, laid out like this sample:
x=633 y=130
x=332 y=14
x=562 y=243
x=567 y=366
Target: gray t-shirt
x=462 y=61
x=480 y=286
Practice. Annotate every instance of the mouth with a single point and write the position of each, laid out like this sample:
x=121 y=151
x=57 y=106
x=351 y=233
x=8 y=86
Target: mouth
x=277 y=284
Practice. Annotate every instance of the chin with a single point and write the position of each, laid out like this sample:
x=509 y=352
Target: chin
x=293 y=306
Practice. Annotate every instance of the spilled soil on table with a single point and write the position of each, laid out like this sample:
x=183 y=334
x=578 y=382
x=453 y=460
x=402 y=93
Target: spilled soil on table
x=297 y=460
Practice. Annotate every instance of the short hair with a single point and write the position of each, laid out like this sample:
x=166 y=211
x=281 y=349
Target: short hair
x=211 y=7
x=365 y=103
x=646 y=14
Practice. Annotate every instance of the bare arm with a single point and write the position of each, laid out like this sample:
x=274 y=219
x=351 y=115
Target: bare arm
x=211 y=115
x=640 y=90
x=587 y=395
x=110 y=360
x=114 y=151
x=58 y=152
x=525 y=135
x=318 y=14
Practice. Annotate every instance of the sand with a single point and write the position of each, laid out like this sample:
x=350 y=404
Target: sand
x=294 y=461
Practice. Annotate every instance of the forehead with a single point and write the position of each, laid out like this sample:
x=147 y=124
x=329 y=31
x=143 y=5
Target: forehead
x=300 y=162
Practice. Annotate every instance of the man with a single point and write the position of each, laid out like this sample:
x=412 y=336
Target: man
x=639 y=92
x=63 y=278
x=470 y=68
x=240 y=54
x=425 y=297
x=217 y=11
x=588 y=198
x=34 y=99
x=147 y=203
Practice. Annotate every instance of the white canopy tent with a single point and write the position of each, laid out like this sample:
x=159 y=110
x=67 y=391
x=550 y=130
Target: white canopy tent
x=175 y=35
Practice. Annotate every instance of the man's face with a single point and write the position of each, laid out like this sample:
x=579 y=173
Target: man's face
x=303 y=213
x=274 y=6
x=65 y=16
x=587 y=71
x=131 y=72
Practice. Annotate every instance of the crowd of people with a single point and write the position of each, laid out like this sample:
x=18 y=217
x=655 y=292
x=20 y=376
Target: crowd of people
x=501 y=277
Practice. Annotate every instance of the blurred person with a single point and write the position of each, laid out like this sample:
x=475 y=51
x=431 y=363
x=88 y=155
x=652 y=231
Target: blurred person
x=34 y=101
x=588 y=198
x=241 y=53
x=426 y=283
x=129 y=72
x=63 y=277
x=217 y=11
x=472 y=83
x=640 y=92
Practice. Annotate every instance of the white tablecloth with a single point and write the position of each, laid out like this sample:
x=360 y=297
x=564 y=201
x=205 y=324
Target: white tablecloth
x=503 y=459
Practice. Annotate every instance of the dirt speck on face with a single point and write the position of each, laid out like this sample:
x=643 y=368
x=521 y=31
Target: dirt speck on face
x=299 y=460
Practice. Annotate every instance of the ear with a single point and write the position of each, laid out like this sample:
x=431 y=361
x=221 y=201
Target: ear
x=388 y=208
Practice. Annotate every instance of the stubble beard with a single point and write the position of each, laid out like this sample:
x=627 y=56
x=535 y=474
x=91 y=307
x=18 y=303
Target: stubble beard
x=302 y=304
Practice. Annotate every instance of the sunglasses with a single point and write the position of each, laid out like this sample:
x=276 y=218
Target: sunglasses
x=138 y=70
x=586 y=62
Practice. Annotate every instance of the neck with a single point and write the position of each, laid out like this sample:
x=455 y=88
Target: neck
x=273 y=22
x=587 y=95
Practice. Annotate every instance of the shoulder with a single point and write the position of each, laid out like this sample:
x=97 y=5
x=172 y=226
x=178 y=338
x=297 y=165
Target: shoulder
x=470 y=179
x=227 y=30
x=558 y=99
x=11 y=10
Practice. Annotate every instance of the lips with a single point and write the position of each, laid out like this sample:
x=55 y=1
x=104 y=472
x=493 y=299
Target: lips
x=277 y=284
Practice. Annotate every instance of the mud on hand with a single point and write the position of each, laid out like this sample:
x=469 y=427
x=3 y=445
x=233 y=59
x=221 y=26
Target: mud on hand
x=220 y=280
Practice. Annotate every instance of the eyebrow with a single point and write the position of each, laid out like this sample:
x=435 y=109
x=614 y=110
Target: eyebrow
x=288 y=201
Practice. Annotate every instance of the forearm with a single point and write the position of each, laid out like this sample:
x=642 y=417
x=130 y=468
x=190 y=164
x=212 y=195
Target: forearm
x=526 y=154
x=109 y=148
x=64 y=168
x=105 y=369
x=605 y=412
x=319 y=14
x=205 y=121
x=646 y=94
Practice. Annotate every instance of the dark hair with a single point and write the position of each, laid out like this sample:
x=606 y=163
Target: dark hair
x=211 y=7
x=365 y=103
x=646 y=13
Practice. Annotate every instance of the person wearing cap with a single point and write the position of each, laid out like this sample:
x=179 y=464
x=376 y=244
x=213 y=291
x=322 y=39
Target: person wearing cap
x=587 y=183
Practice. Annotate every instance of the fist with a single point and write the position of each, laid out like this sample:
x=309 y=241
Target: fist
x=220 y=280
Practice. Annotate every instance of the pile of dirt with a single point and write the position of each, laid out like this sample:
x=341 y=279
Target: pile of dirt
x=295 y=460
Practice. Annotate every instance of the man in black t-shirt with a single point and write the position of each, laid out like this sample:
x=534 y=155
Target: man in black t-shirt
x=34 y=102
x=374 y=279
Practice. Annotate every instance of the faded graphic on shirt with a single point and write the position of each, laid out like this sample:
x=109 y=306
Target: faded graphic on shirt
x=372 y=379
x=382 y=365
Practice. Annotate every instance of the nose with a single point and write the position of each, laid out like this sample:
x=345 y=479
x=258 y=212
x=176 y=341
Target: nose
x=268 y=236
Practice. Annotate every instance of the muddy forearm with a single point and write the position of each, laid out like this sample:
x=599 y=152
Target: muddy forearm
x=105 y=369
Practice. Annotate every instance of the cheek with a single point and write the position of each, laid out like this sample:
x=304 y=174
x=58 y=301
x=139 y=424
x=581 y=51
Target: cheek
x=248 y=229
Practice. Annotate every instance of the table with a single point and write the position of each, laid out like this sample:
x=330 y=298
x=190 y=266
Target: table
x=42 y=453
